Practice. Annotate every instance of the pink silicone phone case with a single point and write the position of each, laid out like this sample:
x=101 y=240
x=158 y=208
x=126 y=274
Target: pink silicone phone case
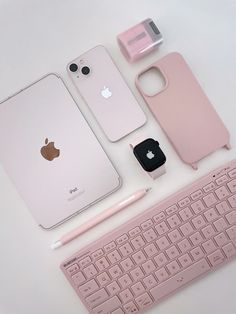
x=184 y=112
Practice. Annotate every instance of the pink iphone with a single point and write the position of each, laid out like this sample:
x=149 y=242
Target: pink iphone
x=106 y=93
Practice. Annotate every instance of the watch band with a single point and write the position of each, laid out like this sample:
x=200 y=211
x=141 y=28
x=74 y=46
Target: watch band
x=157 y=172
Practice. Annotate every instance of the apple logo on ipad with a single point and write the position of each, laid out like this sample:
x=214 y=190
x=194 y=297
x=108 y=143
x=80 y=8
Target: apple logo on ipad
x=49 y=151
x=106 y=93
x=150 y=154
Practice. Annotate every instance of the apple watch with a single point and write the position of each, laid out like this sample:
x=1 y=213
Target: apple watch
x=150 y=156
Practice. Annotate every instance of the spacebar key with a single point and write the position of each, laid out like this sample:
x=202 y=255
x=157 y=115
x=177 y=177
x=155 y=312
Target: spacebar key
x=108 y=306
x=180 y=279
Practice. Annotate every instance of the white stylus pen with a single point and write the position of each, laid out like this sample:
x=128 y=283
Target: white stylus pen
x=99 y=218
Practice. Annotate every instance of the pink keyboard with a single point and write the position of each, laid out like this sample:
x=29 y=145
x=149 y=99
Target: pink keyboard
x=151 y=256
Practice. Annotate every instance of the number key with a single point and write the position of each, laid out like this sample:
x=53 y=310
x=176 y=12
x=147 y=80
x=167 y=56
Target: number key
x=174 y=221
x=150 y=235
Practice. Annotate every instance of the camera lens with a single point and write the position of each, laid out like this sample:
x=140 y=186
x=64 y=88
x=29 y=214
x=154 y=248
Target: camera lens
x=73 y=67
x=85 y=70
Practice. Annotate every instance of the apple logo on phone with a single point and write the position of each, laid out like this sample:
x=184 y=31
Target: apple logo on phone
x=106 y=93
x=49 y=151
x=150 y=154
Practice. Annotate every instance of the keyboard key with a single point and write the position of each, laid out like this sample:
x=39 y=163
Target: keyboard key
x=122 y=239
x=97 y=298
x=184 y=245
x=231 y=217
x=130 y=308
x=148 y=267
x=180 y=279
x=210 y=200
x=127 y=264
x=143 y=301
x=221 y=180
x=78 y=279
x=221 y=239
x=209 y=187
x=145 y=225
x=173 y=267
x=184 y=202
x=150 y=250
x=185 y=214
x=172 y=209
x=134 y=231
x=126 y=296
x=85 y=262
x=126 y=250
x=229 y=250
x=222 y=208
x=149 y=281
x=109 y=247
x=150 y=235
x=162 y=228
x=174 y=221
x=115 y=271
x=198 y=207
x=161 y=274
x=159 y=217
x=90 y=271
x=113 y=288
x=137 y=289
x=208 y=232
x=209 y=246
x=232 y=173
x=196 y=195
x=232 y=232
x=211 y=215
x=174 y=236
x=72 y=269
x=124 y=281
x=197 y=253
x=139 y=257
x=163 y=243
x=232 y=186
x=88 y=288
x=196 y=238
x=185 y=260
x=220 y=224
x=222 y=192
x=160 y=259
x=102 y=263
x=137 y=242
x=114 y=257
x=199 y=222
x=103 y=279
x=108 y=306
x=137 y=274
x=118 y=311
x=172 y=252
x=186 y=229
x=232 y=201
x=97 y=254
x=216 y=258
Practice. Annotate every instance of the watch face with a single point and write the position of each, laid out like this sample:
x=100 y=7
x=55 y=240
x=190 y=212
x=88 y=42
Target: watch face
x=149 y=155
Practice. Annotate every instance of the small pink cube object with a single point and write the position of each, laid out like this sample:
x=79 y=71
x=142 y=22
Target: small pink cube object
x=139 y=40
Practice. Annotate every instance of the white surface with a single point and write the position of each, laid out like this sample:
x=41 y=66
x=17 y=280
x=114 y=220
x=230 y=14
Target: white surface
x=41 y=36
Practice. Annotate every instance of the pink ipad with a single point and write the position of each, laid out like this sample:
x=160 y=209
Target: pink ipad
x=106 y=93
x=51 y=154
x=184 y=112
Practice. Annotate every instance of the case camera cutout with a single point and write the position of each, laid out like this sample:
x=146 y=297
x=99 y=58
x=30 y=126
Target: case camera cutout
x=152 y=81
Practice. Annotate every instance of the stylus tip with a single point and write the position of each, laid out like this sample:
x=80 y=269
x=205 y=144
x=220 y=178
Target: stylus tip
x=56 y=245
x=148 y=189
